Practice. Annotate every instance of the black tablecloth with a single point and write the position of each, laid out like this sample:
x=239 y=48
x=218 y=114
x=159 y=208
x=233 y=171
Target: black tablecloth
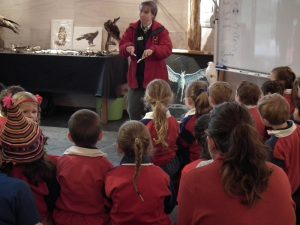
x=38 y=73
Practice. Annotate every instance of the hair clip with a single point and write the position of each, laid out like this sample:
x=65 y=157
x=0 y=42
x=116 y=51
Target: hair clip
x=7 y=102
x=39 y=99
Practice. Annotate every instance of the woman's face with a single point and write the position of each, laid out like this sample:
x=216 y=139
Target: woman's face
x=146 y=16
x=30 y=110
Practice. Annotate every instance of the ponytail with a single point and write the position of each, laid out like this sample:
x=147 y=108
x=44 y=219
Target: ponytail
x=245 y=172
x=202 y=103
x=197 y=92
x=139 y=150
x=160 y=123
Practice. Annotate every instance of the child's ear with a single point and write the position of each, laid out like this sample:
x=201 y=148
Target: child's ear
x=212 y=148
x=267 y=123
x=70 y=137
x=100 y=136
x=211 y=101
x=237 y=98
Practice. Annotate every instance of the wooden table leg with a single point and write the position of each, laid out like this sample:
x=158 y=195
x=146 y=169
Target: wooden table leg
x=102 y=109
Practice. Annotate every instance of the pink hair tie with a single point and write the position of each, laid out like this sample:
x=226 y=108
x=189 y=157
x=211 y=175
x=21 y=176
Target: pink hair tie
x=7 y=102
x=39 y=99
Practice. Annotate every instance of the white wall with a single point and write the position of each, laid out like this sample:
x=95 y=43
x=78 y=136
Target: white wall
x=35 y=17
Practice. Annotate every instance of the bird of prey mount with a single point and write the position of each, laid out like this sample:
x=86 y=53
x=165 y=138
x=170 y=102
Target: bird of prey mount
x=10 y=24
x=183 y=79
x=89 y=37
x=113 y=32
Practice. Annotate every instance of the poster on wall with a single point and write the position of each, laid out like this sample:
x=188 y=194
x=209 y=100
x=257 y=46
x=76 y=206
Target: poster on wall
x=61 y=34
x=87 y=38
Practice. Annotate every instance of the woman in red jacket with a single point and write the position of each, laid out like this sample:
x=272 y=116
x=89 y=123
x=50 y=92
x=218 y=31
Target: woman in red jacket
x=148 y=40
x=239 y=186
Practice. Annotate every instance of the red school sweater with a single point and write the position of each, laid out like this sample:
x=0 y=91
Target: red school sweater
x=127 y=207
x=205 y=202
x=162 y=156
x=82 y=200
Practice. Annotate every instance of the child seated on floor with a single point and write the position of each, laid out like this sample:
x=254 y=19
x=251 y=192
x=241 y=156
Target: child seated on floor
x=286 y=76
x=163 y=127
x=138 y=190
x=80 y=173
x=271 y=87
x=22 y=144
x=285 y=139
x=219 y=92
x=248 y=94
x=17 y=205
x=239 y=186
x=9 y=91
x=29 y=104
x=196 y=99
x=200 y=135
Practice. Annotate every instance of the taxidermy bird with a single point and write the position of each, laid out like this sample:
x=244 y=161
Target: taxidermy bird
x=89 y=37
x=4 y=22
x=113 y=32
x=182 y=79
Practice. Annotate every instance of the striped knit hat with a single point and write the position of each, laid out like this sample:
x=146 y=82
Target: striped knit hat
x=22 y=140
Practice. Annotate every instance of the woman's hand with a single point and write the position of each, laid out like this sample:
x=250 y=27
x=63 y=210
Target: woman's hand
x=130 y=50
x=147 y=53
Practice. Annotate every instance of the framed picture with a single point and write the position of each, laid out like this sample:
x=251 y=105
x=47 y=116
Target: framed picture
x=61 y=34
x=87 y=37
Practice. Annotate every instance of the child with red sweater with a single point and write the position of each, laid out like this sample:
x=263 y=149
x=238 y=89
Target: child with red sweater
x=239 y=186
x=286 y=76
x=248 y=94
x=80 y=173
x=285 y=140
x=138 y=190
x=163 y=127
x=196 y=99
x=22 y=144
x=201 y=136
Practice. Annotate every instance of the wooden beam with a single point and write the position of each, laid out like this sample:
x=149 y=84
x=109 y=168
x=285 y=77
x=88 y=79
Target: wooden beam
x=194 y=29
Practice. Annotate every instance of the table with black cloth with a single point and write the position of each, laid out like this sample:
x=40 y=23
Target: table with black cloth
x=66 y=74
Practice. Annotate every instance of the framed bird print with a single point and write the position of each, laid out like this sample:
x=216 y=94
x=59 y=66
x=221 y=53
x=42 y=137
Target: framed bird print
x=87 y=37
x=61 y=34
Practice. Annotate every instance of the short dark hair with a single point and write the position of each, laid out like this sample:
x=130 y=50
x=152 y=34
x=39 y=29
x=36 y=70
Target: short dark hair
x=85 y=128
x=248 y=93
x=285 y=75
x=152 y=5
x=271 y=87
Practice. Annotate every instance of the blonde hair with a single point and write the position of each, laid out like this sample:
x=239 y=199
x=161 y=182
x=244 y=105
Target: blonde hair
x=134 y=140
x=159 y=96
x=274 y=108
x=197 y=91
x=24 y=96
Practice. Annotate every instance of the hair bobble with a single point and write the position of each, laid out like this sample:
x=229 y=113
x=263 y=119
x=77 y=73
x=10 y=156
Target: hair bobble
x=7 y=102
x=200 y=91
x=39 y=99
x=136 y=140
